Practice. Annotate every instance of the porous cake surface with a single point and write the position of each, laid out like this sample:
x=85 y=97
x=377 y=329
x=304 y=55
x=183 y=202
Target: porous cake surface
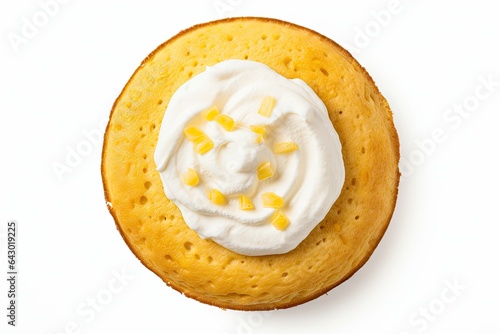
x=152 y=225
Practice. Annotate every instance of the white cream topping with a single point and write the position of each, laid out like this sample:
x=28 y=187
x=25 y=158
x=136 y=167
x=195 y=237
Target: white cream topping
x=308 y=179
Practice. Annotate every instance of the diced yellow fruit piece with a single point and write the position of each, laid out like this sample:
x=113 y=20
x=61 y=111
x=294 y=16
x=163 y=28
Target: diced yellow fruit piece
x=203 y=144
x=259 y=130
x=267 y=106
x=246 y=203
x=190 y=178
x=280 y=221
x=271 y=200
x=259 y=139
x=192 y=133
x=285 y=147
x=225 y=121
x=216 y=197
x=265 y=171
x=210 y=113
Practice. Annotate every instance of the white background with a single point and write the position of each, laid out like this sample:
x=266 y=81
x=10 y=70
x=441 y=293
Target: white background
x=435 y=270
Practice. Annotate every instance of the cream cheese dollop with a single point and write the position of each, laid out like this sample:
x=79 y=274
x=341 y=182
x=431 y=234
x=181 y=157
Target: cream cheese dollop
x=243 y=163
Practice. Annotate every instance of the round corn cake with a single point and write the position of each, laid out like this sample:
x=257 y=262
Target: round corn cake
x=152 y=225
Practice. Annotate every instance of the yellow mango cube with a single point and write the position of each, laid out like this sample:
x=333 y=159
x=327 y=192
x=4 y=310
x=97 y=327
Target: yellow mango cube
x=265 y=171
x=280 y=221
x=285 y=147
x=192 y=133
x=190 y=178
x=210 y=113
x=227 y=122
x=260 y=130
x=246 y=203
x=216 y=197
x=259 y=139
x=267 y=106
x=203 y=144
x=271 y=200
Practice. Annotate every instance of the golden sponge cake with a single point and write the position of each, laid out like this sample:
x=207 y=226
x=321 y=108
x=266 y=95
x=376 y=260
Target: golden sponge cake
x=152 y=225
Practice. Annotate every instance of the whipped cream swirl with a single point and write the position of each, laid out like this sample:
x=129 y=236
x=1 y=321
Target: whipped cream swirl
x=307 y=178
